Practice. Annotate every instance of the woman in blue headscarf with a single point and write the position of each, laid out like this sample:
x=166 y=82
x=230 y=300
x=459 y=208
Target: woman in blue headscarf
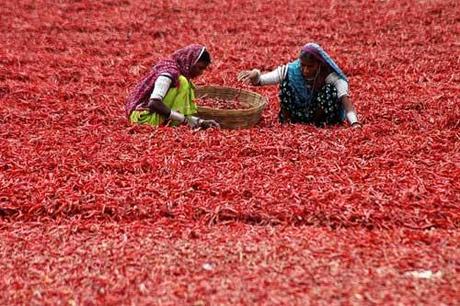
x=313 y=89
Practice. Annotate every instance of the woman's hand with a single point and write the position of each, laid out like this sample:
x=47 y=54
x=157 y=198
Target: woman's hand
x=249 y=76
x=195 y=122
x=209 y=124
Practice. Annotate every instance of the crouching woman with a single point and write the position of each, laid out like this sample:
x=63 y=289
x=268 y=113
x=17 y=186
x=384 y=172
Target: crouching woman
x=165 y=95
x=313 y=89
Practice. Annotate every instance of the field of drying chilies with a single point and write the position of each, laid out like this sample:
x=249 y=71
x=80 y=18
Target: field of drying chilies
x=96 y=210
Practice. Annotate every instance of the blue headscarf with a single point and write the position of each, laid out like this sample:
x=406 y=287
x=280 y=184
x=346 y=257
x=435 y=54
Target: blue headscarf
x=295 y=75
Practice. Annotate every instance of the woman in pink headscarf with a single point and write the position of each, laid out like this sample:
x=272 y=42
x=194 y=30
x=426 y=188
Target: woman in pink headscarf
x=165 y=95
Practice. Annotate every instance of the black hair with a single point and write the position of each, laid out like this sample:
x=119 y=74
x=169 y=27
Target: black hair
x=205 y=57
x=308 y=57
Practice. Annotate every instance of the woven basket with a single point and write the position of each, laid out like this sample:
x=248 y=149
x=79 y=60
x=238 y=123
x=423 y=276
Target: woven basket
x=232 y=118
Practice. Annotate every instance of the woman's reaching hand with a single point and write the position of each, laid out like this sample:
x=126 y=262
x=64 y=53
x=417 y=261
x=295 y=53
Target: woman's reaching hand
x=195 y=122
x=249 y=76
x=209 y=124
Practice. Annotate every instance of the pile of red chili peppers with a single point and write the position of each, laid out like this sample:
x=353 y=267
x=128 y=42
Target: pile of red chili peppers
x=219 y=103
x=94 y=210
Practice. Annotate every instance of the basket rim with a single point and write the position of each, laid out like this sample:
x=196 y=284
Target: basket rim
x=264 y=100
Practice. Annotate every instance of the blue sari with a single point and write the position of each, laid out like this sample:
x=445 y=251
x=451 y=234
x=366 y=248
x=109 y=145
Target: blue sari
x=301 y=103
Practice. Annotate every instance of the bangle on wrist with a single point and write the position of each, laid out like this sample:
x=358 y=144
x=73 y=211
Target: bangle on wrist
x=176 y=116
x=192 y=121
x=352 y=117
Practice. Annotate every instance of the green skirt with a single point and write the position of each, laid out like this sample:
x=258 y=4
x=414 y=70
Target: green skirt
x=179 y=99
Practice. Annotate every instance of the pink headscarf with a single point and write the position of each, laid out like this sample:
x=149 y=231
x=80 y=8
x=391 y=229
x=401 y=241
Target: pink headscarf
x=179 y=63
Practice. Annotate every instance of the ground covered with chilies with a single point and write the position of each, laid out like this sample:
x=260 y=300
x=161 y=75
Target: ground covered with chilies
x=95 y=210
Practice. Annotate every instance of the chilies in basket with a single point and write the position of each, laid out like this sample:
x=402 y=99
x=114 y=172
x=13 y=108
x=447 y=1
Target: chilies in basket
x=219 y=103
